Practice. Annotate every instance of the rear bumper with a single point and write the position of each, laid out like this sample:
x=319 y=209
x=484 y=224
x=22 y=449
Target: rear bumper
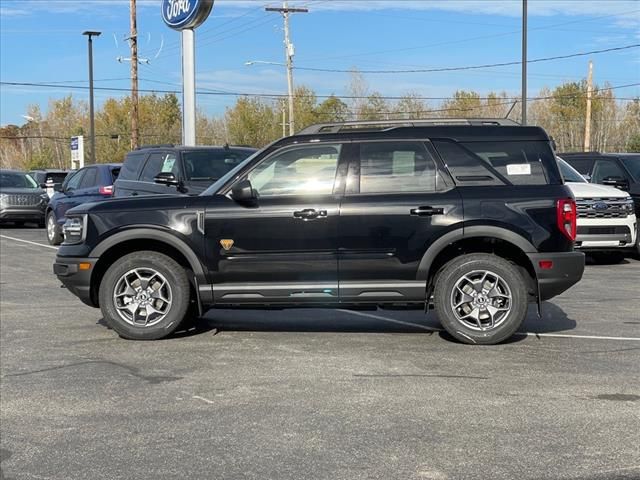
x=566 y=270
x=75 y=280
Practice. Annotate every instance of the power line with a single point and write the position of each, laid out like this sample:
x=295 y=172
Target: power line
x=283 y=95
x=471 y=67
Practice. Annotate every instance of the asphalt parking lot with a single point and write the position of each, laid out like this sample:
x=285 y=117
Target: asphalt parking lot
x=321 y=394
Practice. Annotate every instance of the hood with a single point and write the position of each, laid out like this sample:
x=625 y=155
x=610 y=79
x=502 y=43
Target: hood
x=594 y=190
x=149 y=202
x=23 y=191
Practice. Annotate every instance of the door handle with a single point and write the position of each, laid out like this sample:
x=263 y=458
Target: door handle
x=134 y=194
x=426 y=211
x=310 y=214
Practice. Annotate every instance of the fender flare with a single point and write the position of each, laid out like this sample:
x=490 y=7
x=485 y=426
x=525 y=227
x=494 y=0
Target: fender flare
x=151 y=234
x=463 y=233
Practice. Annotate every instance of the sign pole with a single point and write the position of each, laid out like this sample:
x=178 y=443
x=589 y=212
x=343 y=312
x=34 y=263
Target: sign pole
x=188 y=88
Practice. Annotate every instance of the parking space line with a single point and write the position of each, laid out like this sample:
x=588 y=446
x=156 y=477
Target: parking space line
x=29 y=242
x=527 y=334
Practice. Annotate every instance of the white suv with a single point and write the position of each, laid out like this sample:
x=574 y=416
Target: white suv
x=607 y=223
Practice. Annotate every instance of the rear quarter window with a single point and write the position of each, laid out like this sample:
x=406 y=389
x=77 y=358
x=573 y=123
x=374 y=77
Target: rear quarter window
x=131 y=166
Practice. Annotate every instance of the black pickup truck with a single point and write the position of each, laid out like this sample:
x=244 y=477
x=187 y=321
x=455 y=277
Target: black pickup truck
x=469 y=216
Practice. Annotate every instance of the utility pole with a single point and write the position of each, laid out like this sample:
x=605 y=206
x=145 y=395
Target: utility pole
x=92 y=119
x=289 y=53
x=133 y=38
x=524 y=62
x=587 y=125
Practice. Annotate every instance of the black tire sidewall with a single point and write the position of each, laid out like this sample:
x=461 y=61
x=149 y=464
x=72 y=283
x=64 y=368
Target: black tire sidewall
x=510 y=273
x=178 y=281
x=57 y=234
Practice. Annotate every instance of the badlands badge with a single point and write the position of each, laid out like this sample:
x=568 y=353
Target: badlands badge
x=226 y=243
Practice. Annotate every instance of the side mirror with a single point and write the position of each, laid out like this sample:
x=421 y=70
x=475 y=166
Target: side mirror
x=43 y=185
x=618 y=182
x=166 y=178
x=243 y=192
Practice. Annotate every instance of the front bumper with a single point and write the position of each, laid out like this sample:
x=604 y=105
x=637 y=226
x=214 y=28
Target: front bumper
x=12 y=213
x=606 y=234
x=566 y=270
x=77 y=281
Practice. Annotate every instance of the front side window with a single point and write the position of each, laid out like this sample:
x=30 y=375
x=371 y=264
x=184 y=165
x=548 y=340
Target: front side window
x=307 y=170
x=396 y=167
x=632 y=162
x=604 y=169
x=160 y=162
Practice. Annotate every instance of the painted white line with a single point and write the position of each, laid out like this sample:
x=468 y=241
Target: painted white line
x=206 y=400
x=526 y=334
x=29 y=242
x=399 y=322
x=588 y=337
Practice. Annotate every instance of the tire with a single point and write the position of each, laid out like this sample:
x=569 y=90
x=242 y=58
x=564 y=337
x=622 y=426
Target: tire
x=607 y=258
x=54 y=235
x=499 y=284
x=144 y=280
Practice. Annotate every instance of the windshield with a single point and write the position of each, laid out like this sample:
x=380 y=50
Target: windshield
x=569 y=173
x=230 y=174
x=16 y=180
x=632 y=162
x=210 y=165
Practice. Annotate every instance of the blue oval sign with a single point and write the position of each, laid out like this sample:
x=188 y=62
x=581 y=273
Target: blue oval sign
x=182 y=14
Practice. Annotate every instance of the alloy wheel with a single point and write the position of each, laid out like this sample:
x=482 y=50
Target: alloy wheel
x=142 y=297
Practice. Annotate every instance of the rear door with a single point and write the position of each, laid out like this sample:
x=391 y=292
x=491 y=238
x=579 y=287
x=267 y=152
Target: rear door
x=395 y=205
x=67 y=198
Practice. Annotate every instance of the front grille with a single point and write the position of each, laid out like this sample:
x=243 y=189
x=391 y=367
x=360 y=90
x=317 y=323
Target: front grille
x=23 y=200
x=617 y=230
x=603 y=207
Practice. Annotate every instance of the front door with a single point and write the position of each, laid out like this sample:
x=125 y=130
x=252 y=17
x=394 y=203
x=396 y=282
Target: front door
x=282 y=248
x=395 y=206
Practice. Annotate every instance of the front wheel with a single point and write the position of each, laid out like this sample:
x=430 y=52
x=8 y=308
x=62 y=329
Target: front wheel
x=145 y=295
x=481 y=298
x=54 y=235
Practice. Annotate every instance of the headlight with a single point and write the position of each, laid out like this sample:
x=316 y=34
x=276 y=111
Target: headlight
x=629 y=205
x=74 y=230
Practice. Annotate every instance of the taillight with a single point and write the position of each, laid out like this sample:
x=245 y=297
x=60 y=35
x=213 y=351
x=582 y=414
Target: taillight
x=567 y=217
x=106 y=190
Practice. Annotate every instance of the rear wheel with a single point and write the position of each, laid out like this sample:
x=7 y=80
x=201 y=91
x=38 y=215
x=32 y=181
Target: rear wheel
x=54 y=235
x=481 y=298
x=145 y=295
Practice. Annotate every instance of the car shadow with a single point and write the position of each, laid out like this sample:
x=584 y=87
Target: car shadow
x=300 y=320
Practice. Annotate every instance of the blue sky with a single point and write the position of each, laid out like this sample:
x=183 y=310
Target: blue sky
x=41 y=41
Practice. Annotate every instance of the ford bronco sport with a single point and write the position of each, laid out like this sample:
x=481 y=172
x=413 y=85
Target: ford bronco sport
x=470 y=216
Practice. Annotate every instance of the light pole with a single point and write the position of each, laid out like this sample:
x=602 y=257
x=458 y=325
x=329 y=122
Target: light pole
x=90 y=35
x=524 y=62
x=290 y=89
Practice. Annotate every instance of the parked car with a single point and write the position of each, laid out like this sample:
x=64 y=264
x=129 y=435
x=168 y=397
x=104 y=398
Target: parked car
x=21 y=198
x=619 y=170
x=169 y=169
x=607 y=222
x=49 y=179
x=89 y=184
x=471 y=216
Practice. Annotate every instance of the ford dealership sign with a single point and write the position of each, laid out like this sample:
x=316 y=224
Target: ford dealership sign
x=183 y=14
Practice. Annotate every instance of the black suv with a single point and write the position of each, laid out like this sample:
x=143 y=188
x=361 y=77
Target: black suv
x=471 y=216
x=166 y=169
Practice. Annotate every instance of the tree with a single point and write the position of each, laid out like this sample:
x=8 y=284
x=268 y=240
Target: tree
x=332 y=110
x=252 y=122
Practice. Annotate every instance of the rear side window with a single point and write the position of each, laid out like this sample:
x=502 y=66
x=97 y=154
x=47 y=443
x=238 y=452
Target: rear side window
x=210 y=165
x=89 y=179
x=396 y=167
x=158 y=163
x=73 y=182
x=582 y=165
x=131 y=166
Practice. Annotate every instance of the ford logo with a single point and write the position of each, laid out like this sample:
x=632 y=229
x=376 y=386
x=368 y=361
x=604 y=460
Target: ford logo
x=183 y=14
x=600 y=206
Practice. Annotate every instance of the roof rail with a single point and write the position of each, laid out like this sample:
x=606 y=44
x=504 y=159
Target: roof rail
x=390 y=124
x=161 y=145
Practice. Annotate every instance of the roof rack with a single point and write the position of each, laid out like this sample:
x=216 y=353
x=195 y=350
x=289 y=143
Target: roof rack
x=390 y=124
x=161 y=145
